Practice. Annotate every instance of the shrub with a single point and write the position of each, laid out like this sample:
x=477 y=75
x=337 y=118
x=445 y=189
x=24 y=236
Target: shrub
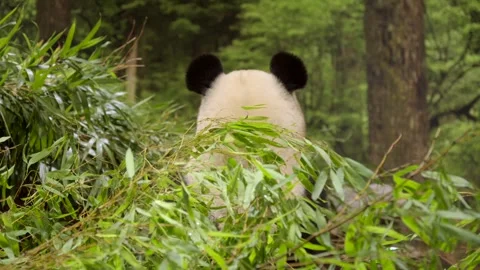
x=61 y=111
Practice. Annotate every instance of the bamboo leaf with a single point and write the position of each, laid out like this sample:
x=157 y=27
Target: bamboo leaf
x=319 y=185
x=69 y=39
x=130 y=163
x=216 y=257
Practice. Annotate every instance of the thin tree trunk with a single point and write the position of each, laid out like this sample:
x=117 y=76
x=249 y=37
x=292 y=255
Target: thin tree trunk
x=53 y=16
x=132 y=72
x=396 y=76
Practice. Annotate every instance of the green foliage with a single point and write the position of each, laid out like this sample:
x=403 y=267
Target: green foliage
x=27 y=5
x=454 y=69
x=152 y=221
x=28 y=12
x=172 y=32
x=463 y=140
x=454 y=62
x=60 y=113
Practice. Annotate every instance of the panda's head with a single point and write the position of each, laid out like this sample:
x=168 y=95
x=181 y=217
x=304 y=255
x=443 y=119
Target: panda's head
x=224 y=95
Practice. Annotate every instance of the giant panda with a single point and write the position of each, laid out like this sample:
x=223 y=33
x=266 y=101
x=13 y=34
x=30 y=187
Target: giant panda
x=224 y=94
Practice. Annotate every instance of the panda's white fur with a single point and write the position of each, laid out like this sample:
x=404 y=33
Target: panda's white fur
x=224 y=95
x=230 y=92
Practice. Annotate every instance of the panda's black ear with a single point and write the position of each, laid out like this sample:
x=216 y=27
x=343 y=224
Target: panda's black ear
x=201 y=73
x=290 y=70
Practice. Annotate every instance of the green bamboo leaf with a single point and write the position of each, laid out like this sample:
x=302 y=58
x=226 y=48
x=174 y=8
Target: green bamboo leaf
x=412 y=224
x=282 y=263
x=68 y=40
x=4 y=41
x=465 y=235
x=86 y=41
x=349 y=245
x=406 y=170
x=39 y=79
x=34 y=158
x=386 y=261
x=314 y=247
x=130 y=163
x=457 y=180
x=216 y=257
x=360 y=168
x=4 y=77
x=54 y=191
x=27 y=40
x=324 y=155
x=459 y=215
x=337 y=184
x=319 y=185
x=6 y=17
x=93 y=42
x=143 y=212
x=128 y=256
x=125 y=204
x=227 y=235
x=38 y=57
x=254 y=107
x=386 y=231
x=67 y=247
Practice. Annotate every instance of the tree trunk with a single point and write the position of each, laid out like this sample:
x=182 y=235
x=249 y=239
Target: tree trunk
x=53 y=16
x=396 y=76
x=132 y=72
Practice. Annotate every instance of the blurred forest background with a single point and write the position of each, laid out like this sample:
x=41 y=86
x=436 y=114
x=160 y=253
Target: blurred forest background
x=365 y=64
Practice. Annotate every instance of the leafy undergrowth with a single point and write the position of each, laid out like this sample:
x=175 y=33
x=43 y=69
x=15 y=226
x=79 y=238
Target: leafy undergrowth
x=143 y=217
x=105 y=191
